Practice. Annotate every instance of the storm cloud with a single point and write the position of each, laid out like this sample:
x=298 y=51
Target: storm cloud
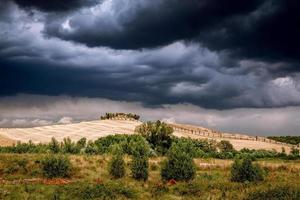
x=219 y=55
x=55 y=5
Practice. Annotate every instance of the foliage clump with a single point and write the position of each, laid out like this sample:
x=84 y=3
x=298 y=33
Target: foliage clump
x=117 y=163
x=178 y=166
x=54 y=146
x=295 y=140
x=56 y=166
x=243 y=170
x=122 y=115
x=140 y=164
x=158 y=134
x=225 y=146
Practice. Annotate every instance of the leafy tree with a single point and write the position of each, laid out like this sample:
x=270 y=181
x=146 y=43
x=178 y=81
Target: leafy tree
x=225 y=146
x=179 y=165
x=243 y=170
x=158 y=134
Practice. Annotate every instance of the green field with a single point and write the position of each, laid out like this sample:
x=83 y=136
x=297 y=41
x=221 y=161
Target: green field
x=21 y=178
x=150 y=165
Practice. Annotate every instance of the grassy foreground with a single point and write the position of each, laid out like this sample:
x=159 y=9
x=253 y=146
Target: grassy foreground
x=22 y=178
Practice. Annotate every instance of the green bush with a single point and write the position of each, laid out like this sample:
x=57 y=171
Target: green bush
x=91 y=148
x=295 y=140
x=275 y=193
x=243 y=170
x=139 y=168
x=69 y=147
x=81 y=143
x=207 y=146
x=225 y=146
x=179 y=165
x=56 y=166
x=294 y=151
x=158 y=134
x=54 y=146
x=140 y=164
x=190 y=146
x=117 y=163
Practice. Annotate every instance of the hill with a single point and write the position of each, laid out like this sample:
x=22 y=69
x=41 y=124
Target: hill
x=100 y=128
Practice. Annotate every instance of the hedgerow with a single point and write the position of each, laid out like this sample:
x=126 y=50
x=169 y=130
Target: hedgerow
x=158 y=145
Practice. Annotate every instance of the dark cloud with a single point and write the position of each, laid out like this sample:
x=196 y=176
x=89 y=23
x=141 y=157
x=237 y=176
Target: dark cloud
x=266 y=30
x=214 y=65
x=138 y=24
x=55 y=5
x=271 y=33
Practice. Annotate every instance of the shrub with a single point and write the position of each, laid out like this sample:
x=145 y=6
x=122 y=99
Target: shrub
x=179 y=165
x=294 y=151
x=69 y=147
x=140 y=165
x=139 y=168
x=54 y=146
x=189 y=146
x=243 y=170
x=225 y=146
x=205 y=145
x=223 y=155
x=56 y=166
x=91 y=148
x=295 y=140
x=158 y=134
x=81 y=143
x=278 y=193
x=104 y=144
x=117 y=163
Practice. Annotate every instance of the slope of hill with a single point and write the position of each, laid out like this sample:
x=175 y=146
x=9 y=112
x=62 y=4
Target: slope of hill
x=100 y=128
x=91 y=130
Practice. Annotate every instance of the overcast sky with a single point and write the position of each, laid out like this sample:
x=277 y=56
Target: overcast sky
x=230 y=65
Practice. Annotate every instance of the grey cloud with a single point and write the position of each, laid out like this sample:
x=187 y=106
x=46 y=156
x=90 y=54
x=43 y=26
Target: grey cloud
x=135 y=24
x=171 y=74
x=55 y=5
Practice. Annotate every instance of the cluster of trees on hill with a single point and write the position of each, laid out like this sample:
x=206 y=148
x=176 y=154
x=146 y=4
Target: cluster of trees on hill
x=295 y=140
x=124 y=115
